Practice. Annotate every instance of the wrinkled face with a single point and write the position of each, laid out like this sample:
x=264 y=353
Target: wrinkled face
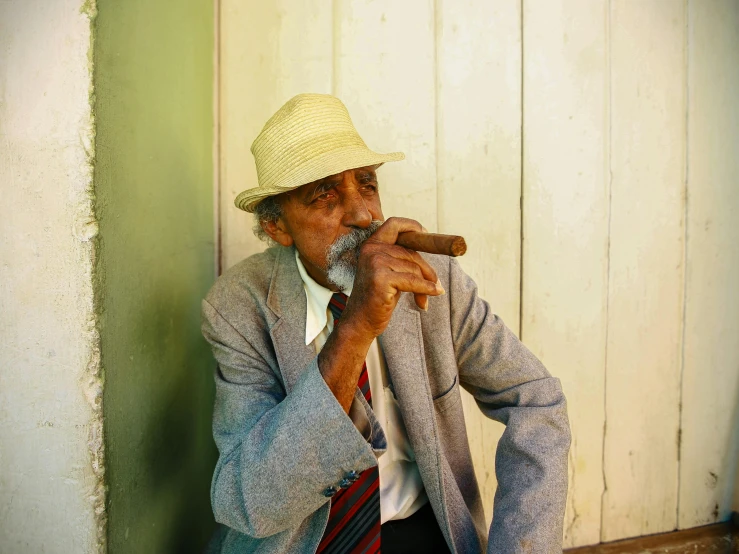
x=328 y=212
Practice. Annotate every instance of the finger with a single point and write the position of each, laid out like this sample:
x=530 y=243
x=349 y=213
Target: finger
x=410 y=282
x=404 y=266
x=422 y=301
x=401 y=265
x=388 y=231
x=398 y=252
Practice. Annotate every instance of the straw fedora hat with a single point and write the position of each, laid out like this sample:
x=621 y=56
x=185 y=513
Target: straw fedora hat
x=309 y=138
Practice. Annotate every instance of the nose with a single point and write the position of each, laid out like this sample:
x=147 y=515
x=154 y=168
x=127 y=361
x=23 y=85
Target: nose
x=356 y=213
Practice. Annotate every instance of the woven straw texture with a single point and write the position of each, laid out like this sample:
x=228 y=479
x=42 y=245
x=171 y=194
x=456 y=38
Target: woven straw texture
x=309 y=138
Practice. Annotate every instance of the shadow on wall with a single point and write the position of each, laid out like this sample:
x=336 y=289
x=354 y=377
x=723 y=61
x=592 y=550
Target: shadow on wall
x=153 y=84
x=157 y=260
x=177 y=444
x=163 y=459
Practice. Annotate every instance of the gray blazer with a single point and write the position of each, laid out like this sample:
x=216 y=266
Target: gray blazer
x=283 y=438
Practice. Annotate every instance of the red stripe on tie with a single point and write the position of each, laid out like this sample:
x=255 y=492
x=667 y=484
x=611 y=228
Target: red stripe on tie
x=348 y=516
x=371 y=542
x=363 y=378
x=364 y=385
x=337 y=507
x=335 y=498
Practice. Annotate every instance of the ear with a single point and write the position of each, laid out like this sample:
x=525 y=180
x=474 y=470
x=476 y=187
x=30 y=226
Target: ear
x=277 y=231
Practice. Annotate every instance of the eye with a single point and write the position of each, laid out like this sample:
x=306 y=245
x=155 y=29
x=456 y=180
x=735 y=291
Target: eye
x=324 y=196
x=368 y=181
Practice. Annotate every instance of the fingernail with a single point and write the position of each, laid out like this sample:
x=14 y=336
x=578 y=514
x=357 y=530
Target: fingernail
x=440 y=289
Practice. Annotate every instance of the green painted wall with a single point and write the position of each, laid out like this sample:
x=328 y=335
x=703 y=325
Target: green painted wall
x=153 y=183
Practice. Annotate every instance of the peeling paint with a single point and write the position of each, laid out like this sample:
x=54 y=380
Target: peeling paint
x=50 y=362
x=86 y=230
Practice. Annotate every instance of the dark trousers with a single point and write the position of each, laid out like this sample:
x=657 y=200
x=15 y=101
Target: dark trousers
x=417 y=533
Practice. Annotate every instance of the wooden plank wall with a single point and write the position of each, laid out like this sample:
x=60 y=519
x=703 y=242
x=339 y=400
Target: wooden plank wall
x=710 y=398
x=644 y=328
x=400 y=114
x=565 y=239
x=588 y=150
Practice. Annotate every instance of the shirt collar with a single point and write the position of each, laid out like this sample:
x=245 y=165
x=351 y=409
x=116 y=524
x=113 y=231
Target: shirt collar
x=317 y=297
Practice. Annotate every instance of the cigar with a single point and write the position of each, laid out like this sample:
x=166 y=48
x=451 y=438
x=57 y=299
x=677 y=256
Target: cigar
x=433 y=243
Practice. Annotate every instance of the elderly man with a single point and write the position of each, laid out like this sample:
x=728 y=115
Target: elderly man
x=340 y=360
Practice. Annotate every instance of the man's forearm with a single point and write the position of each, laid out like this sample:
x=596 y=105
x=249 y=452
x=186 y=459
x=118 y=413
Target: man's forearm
x=341 y=359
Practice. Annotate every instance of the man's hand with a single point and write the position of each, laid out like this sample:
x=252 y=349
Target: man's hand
x=384 y=271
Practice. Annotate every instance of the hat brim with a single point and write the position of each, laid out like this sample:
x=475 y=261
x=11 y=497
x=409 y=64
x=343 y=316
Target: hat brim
x=316 y=168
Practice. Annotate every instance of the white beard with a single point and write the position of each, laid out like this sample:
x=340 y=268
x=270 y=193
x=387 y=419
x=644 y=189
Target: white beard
x=343 y=255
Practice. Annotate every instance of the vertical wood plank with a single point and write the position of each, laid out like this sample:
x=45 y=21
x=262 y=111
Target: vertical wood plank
x=710 y=392
x=479 y=171
x=646 y=267
x=384 y=73
x=565 y=224
x=270 y=51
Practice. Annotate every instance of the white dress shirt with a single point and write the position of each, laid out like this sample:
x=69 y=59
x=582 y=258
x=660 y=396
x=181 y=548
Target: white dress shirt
x=401 y=488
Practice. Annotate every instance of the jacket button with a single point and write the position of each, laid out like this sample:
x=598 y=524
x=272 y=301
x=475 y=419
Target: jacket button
x=329 y=492
x=352 y=476
x=345 y=483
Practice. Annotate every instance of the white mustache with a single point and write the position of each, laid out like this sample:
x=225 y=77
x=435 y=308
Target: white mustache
x=342 y=256
x=352 y=241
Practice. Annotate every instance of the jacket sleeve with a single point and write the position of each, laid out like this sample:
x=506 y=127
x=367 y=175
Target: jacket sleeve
x=511 y=386
x=278 y=452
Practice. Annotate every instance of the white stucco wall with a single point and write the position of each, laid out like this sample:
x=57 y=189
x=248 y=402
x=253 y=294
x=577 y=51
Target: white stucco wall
x=50 y=424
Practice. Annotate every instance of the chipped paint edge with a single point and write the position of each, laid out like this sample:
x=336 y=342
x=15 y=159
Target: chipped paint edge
x=86 y=231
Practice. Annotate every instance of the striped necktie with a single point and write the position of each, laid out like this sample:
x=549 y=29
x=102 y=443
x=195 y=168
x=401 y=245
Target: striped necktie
x=354 y=519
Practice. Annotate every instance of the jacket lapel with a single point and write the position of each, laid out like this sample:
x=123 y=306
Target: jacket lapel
x=286 y=298
x=402 y=346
